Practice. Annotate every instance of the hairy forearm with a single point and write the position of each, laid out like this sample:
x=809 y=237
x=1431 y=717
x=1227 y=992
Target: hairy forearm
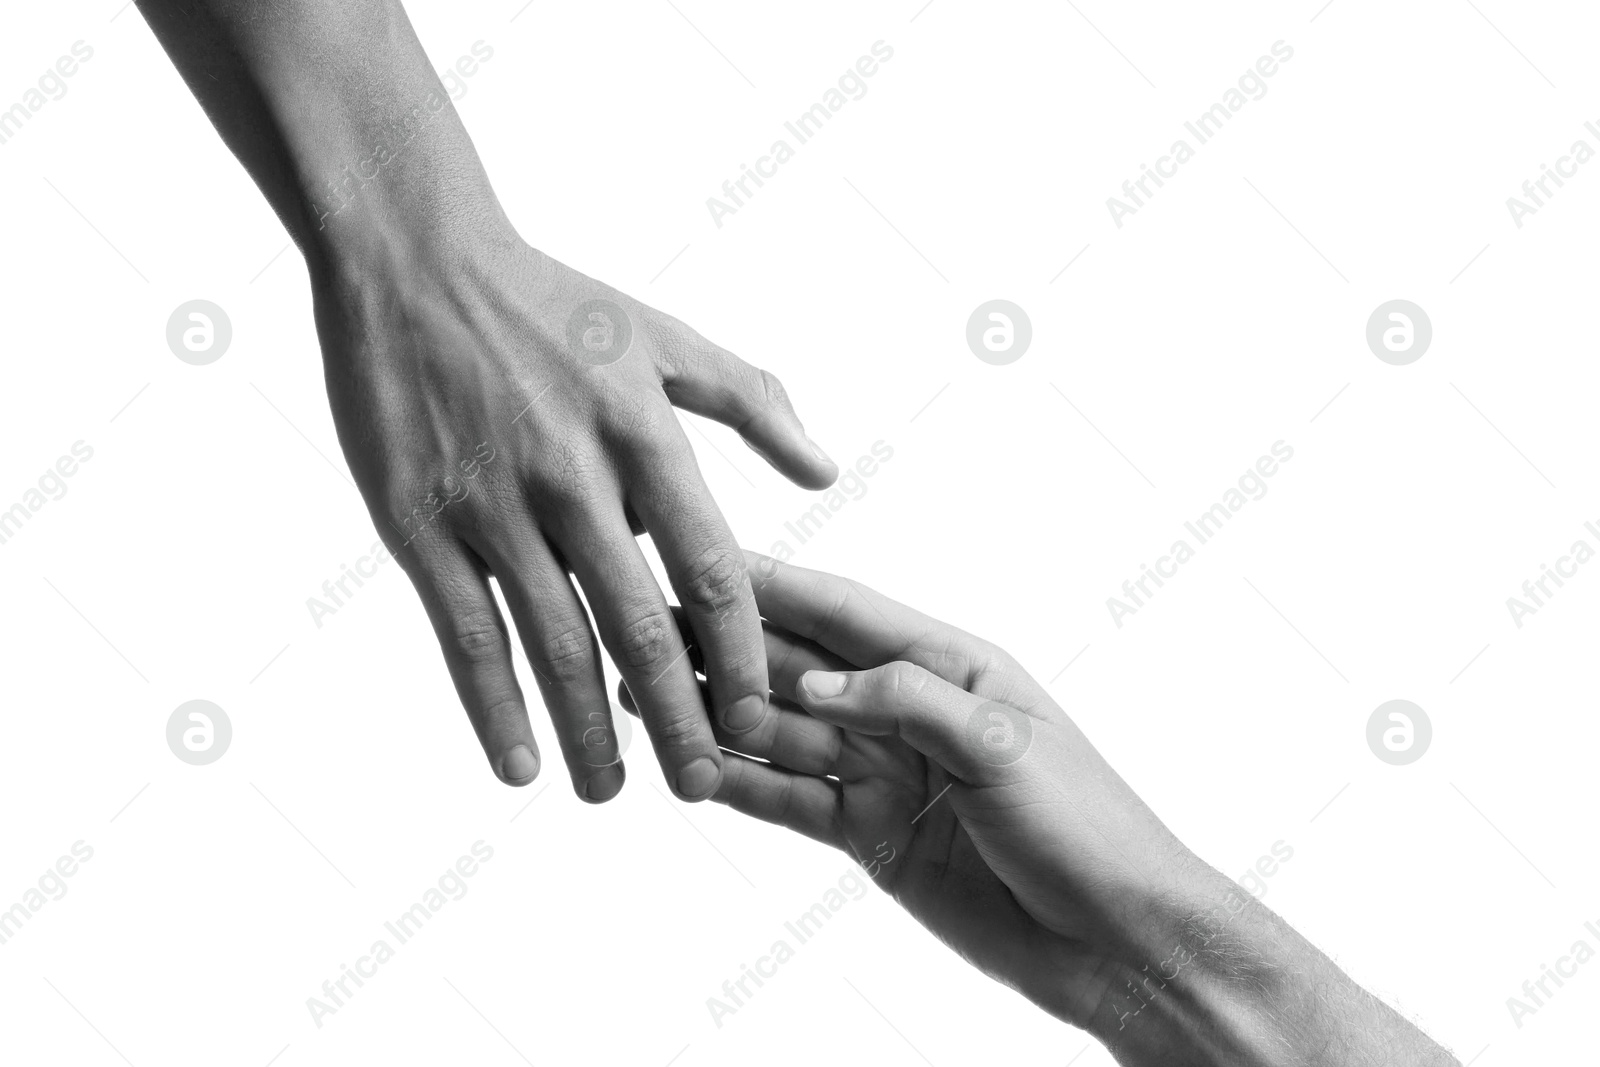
x=1229 y=982
x=336 y=112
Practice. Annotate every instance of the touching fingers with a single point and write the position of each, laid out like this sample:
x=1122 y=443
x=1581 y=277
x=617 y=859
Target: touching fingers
x=787 y=737
x=841 y=618
x=707 y=571
x=790 y=656
x=973 y=738
x=642 y=637
x=801 y=802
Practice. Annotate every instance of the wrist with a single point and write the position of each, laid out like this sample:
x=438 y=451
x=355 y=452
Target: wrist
x=1221 y=980
x=407 y=187
x=1196 y=984
x=402 y=191
x=373 y=153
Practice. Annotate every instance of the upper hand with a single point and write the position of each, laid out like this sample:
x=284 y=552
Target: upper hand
x=505 y=415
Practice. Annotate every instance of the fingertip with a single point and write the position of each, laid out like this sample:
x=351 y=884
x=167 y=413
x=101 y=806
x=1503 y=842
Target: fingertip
x=825 y=479
x=821 y=686
x=605 y=785
x=797 y=457
x=698 y=780
x=744 y=714
x=824 y=470
x=519 y=766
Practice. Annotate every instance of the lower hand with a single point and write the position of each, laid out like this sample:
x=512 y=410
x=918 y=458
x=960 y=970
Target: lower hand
x=971 y=797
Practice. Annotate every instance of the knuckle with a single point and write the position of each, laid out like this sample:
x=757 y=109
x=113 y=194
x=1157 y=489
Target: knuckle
x=501 y=710
x=677 y=731
x=477 y=638
x=777 y=396
x=904 y=680
x=840 y=594
x=668 y=337
x=962 y=659
x=989 y=660
x=643 y=642
x=786 y=801
x=716 y=581
x=982 y=652
x=838 y=605
x=424 y=509
x=565 y=481
x=638 y=419
x=568 y=653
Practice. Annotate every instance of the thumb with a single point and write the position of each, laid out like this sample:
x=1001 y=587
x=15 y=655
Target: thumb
x=751 y=401
x=973 y=738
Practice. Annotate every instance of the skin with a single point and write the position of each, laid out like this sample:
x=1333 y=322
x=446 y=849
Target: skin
x=487 y=436
x=935 y=761
x=487 y=444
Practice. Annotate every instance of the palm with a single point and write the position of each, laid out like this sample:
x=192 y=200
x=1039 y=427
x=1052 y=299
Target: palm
x=899 y=816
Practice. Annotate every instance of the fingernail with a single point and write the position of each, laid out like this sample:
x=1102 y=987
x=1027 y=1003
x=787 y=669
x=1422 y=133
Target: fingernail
x=816 y=450
x=744 y=713
x=822 y=684
x=605 y=785
x=520 y=764
x=698 y=779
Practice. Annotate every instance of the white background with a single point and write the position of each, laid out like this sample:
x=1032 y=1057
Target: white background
x=1205 y=329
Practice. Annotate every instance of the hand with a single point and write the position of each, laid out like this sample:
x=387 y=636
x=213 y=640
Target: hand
x=967 y=794
x=505 y=415
x=497 y=420
x=955 y=781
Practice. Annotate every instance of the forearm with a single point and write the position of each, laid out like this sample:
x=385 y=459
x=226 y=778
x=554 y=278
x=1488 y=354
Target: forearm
x=1228 y=982
x=336 y=112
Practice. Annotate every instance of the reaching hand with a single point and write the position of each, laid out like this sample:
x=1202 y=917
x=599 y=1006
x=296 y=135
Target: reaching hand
x=974 y=800
x=505 y=415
